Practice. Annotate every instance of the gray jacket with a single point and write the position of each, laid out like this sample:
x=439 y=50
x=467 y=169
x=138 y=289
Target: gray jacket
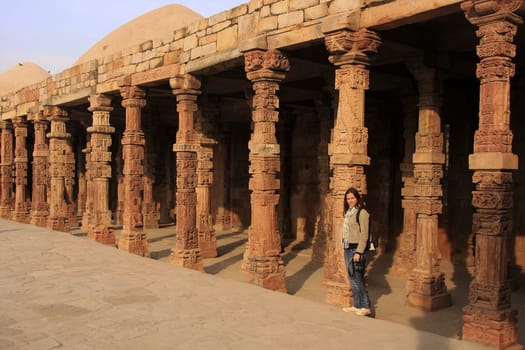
x=356 y=233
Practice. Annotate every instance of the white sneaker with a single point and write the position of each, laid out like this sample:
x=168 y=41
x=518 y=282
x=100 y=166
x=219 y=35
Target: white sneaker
x=350 y=309
x=363 y=312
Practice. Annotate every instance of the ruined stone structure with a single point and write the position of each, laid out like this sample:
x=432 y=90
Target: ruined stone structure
x=261 y=117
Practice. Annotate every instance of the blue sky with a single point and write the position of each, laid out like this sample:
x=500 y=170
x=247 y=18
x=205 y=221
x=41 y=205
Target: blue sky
x=54 y=33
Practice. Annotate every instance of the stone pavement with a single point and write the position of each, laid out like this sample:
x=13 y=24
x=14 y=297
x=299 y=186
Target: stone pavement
x=61 y=291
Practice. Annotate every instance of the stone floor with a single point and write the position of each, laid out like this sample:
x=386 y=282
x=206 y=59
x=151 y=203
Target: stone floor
x=62 y=291
x=386 y=290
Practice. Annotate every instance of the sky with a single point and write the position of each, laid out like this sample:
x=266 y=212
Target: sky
x=55 y=33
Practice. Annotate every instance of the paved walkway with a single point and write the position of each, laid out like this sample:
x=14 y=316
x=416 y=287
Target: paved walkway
x=61 y=291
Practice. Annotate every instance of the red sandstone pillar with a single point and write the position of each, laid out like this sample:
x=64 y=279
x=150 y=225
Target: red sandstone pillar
x=21 y=212
x=323 y=165
x=61 y=169
x=425 y=286
x=207 y=238
x=351 y=52
x=262 y=260
x=6 y=169
x=489 y=317
x=132 y=237
x=186 y=252
x=405 y=254
x=39 y=205
x=98 y=166
x=150 y=206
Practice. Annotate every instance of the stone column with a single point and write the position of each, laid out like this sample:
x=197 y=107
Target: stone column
x=186 y=252
x=489 y=318
x=322 y=226
x=39 y=205
x=61 y=170
x=405 y=254
x=119 y=168
x=351 y=52
x=6 y=169
x=21 y=212
x=98 y=164
x=150 y=207
x=262 y=260
x=132 y=237
x=207 y=238
x=222 y=181
x=425 y=286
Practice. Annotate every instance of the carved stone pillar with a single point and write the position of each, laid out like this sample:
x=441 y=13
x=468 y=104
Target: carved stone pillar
x=323 y=173
x=119 y=168
x=98 y=164
x=222 y=181
x=150 y=209
x=88 y=184
x=262 y=260
x=21 y=211
x=6 y=169
x=186 y=253
x=207 y=238
x=405 y=254
x=61 y=170
x=425 y=286
x=39 y=204
x=132 y=237
x=489 y=317
x=351 y=53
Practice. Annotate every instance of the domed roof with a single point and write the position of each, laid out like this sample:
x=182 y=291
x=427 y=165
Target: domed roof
x=20 y=76
x=151 y=25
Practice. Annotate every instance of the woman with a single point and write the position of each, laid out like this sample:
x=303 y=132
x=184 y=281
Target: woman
x=355 y=238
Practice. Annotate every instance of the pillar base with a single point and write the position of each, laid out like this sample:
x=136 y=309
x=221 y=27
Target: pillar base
x=494 y=328
x=267 y=272
x=58 y=223
x=429 y=302
x=189 y=258
x=102 y=234
x=208 y=248
x=6 y=212
x=39 y=219
x=135 y=243
x=338 y=293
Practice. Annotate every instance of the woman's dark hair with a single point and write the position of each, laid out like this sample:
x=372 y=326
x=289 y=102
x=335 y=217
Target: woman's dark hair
x=360 y=203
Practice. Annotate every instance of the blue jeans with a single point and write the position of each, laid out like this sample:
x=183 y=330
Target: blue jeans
x=356 y=274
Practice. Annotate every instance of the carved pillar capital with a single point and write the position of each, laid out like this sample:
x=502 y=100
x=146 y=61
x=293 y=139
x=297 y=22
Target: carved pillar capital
x=265 y=65
x=133 y=96
x=352 y=47
x=478 y=11
x=185 y=86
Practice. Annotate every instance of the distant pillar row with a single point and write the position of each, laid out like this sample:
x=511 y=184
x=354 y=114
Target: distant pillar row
x=61 y=171
x=6 y=169
x=351 y=52
x=39 y=204
x=489 y=318
x=133 y=238
x=186 y=252
x=98 y=166
x=262 y=260
x=21 y=210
